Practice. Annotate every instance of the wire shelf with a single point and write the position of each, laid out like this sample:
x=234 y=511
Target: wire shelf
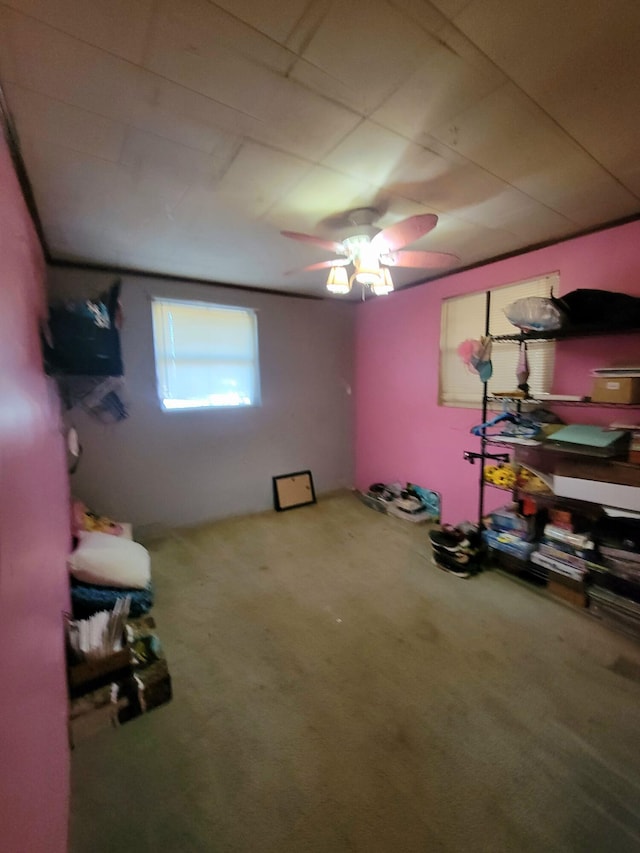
x=567 y=334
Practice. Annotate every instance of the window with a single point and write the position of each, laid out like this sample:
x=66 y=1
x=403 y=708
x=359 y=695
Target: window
x=206 y=355
x=464 y=316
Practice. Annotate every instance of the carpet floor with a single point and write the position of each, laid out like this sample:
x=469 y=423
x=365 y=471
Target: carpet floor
x=334 y=691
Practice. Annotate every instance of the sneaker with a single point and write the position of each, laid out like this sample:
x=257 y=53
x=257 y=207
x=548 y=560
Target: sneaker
x=448 y=540
x=463 y=548
x=461 y=560
x=453 y=568
x=408 y=504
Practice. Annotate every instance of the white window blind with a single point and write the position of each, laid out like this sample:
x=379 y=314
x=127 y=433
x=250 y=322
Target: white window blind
x=463 y=317
x=206 y=355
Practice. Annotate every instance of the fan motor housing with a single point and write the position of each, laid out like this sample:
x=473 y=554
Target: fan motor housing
x=362 y=230
x=354 y=242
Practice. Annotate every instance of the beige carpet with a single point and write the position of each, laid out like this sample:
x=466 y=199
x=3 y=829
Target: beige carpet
x=335 y=692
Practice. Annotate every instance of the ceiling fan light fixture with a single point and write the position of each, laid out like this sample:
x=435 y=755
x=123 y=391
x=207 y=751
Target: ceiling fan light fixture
x=370 y=251
x=369 y=276
x=384 y=285
x=338 y=281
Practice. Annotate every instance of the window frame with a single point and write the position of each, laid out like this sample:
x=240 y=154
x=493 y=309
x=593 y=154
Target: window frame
x=448 y=359
x=252 y=313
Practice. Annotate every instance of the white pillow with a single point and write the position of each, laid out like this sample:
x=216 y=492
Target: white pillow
x=107 y=560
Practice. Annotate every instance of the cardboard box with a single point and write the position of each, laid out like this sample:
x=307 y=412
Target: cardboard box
x=92 y=713
x=88 y=675
x=573 y=583
x=616 y=389
x=574 y=596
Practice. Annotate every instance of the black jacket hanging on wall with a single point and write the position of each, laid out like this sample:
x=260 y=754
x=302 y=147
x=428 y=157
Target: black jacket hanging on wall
x=82 y=338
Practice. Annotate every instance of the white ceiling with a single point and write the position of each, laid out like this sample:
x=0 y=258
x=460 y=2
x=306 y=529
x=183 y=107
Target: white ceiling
x=181 y=136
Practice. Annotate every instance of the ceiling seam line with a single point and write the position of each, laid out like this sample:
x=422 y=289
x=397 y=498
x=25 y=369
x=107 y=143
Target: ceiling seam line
x=306 y=41
x=326 y=99
x=310 y=163
x=292 y=54
x=338 y=103
x=417 y=22
x=128 y=126
x=139 y=65
x=548 y=115
x=146 y=41
x=506 y=183
x=146 y=69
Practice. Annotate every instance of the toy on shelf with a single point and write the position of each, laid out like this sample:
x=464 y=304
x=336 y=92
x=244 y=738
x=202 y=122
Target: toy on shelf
x=502 y=476
x=533 y=482
x=509 y=476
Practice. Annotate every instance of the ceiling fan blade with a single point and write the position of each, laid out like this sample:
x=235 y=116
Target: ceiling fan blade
x=329 y=245
x=405 y=232
x=423 y=260
x=323 y=265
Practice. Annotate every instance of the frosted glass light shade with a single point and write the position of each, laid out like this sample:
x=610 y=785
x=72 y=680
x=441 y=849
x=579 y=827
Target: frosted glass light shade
x=385 y=283
x=338 y=281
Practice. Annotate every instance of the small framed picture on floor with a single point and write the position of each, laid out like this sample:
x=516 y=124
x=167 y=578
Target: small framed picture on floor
x=292 y=490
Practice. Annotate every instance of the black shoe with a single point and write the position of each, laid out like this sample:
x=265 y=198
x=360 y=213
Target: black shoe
x=451 y=566
x=448 y=539
x=465 y=547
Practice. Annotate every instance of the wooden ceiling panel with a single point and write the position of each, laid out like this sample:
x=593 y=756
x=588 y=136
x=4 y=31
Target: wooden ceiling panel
x=258 y=177
x=583 y=70
x=198 y=41
x=368 y=49
x=301 y=122
x=57 y=123
x=183 y=135
x=440 y=179
x=319 y=195
x=512 y=138
x=261 y=15
x=158 y=162
x=118 y=26
x=435 y=92
x=515 y=212
x=70 y=187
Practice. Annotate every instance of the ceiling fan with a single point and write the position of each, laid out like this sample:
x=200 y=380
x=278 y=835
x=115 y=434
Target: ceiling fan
x=372 y=251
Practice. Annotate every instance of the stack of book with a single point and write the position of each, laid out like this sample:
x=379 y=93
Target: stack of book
x=510 y=532
x=567 y=557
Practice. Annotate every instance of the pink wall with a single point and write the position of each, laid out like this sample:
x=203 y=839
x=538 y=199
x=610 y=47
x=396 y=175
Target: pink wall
x=34 y=539
x=401 y=431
